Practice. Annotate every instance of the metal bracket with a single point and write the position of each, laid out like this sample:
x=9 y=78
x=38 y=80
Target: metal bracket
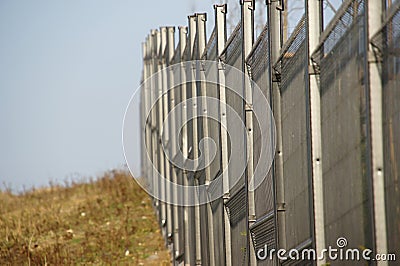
x=203 y=16
x=221 y=65
x=281 y=207
x=224 y=7
x=252 y=219
x=276 y=77
x=248 y=108
x=226 y=197
x=375 y=56
x=280 y=7
x=313 y=70
x=202 y=66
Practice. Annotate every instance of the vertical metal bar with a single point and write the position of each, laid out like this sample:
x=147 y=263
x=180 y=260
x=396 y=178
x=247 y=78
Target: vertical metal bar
x=201 y=31
x=374 y=11
x=314 y=27
x=164 y=134
x=160 y=112
x=188 y=250
x=274 y=22
x=195 y=143
x=149 y=124
x=220 y=22
x=153 y=93
x=173 y=143
x=169 y=53
x=248 y=7
x=147 y=137
x=142 y=111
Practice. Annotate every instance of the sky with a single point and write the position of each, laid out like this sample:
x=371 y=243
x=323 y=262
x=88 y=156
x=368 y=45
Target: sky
x=67 y=71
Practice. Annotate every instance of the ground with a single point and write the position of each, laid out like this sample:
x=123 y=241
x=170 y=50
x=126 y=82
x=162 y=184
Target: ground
x=107 y=221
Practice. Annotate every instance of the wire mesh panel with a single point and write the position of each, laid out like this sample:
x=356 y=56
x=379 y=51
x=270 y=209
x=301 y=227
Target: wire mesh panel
x=292 y=66
x=263 y=231
x=294 y=138
x=189 y=212
x=344 y=118
x=212 y=92
x=236 y=207
x=388 y=43
x=213 y=132
x=205 y=230
x=177 y=96
x=258 y=63
x=232 y=56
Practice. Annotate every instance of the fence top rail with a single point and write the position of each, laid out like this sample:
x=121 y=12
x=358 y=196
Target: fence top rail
x=259 y=55
x=176 y=57
x=392 y=11
x=257 y=43
x=290 y=43
x=345 y=9
x=210 y=44
x=185 y=50
x=234 y=34
x=335 y=20
x=195 y=52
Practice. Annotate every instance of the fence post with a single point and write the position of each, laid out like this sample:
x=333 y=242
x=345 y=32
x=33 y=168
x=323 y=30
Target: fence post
x=274 y=22
x=248 y=7
x=195 y=140
x=314 y=27
x=168 y=129
x=148 y=151
x=160 y=115
x=202 y=39
x=221 y=35
x=188 y=247
x=143 y=121
x=154 y=138
x=164 y=134
x=374 y=11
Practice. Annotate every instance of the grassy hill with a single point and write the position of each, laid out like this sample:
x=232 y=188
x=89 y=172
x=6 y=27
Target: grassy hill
x=107 y=221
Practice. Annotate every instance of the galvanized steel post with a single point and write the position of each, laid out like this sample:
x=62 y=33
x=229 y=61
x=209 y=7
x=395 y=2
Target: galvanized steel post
x=164 y=131
x=374 y=11
x=274 y=22
x=221 y=35
x=195 y=141
x=248 y=7
x=314 y=28
x=160 y=115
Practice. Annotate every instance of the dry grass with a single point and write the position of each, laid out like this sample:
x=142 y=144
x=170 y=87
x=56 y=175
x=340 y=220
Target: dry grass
x=96 y=222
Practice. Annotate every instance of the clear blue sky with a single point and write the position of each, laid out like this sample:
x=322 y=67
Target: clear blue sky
x=67 y=71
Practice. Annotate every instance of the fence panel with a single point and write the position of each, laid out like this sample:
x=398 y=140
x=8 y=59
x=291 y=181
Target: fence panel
x=258 y=63
x=297 y=189
x=214 y=168
x=342 y=68
x=344 y=117
x=388 y=43
x=263 y=231
x=177 y=97
x=232 y=56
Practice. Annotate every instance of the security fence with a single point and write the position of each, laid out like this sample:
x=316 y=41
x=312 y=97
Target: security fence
x=251 y=146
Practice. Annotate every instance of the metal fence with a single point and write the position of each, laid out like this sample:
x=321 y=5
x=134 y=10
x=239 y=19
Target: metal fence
x=387 y=43
x=344 y=117
x=335 y=96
